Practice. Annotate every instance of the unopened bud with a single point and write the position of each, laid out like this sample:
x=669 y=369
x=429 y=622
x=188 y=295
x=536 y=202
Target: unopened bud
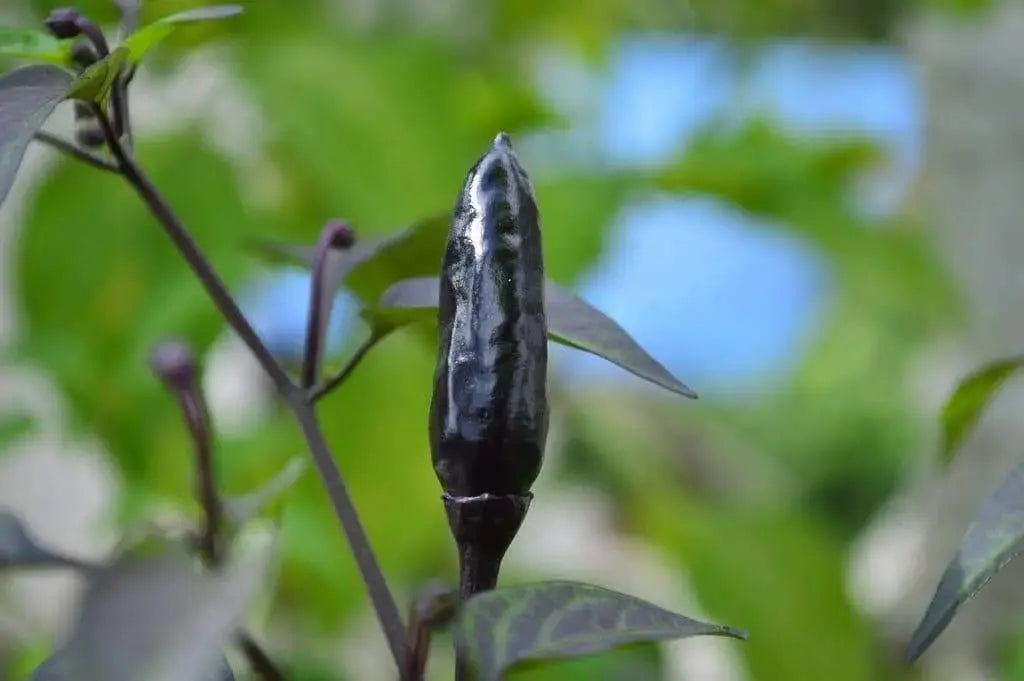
x=175 y=363
x=83 y=55
x=64 y=23
x=341 y=235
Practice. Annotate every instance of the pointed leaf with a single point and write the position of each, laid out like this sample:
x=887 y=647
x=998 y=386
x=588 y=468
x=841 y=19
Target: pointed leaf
x=154 y=618
x=96 y=81
x=574 y=322
x=242 y=509
x=374 y=264
x=499 y=630
x=27 y=98
x=35 y=45
x=19 y=550
x=994 y=539
x=145 y=39
x=416 y=251
x=571 y=321
x=963 y=409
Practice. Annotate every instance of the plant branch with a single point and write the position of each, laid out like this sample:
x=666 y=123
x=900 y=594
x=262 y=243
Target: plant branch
x=296 y=399
x=337 y=379
x=336 y=234
x=75 y=151
x=198 y=420
x=188 y=248
x=258 y=659
x=119 y=104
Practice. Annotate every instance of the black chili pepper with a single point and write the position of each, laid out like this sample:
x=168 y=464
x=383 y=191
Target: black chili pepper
x=489 y=412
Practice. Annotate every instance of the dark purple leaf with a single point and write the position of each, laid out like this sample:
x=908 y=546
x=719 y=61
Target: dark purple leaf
x=18 y=549
x=994 y=539
x=27 y=98
x=571 y=321
x=499 y=630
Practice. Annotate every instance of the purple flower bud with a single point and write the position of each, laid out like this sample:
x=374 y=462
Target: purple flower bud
x=83 y=55
x=175 y=363
x=64 y=23
x=341 y=235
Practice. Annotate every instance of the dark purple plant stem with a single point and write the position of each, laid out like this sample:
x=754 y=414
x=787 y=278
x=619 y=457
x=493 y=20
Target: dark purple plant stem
x=72 y=149
x=165 y=215
x=259 y=661
x=198 y=420
x=337 y=379
x=292 y=394
x=334 y=234
x=118 y=94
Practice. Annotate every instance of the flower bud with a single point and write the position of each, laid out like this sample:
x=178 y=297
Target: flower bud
x=340 y=233
x=175 y=363
x=64 y=23
x=83 y=55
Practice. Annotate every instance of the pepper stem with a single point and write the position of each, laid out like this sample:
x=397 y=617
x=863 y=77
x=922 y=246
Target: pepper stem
x=484 y=527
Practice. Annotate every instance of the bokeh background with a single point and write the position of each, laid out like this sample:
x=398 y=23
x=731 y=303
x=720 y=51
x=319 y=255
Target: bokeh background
x=807 y=209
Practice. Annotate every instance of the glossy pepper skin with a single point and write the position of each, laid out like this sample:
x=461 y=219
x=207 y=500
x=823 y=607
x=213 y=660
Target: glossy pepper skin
x=489 y=412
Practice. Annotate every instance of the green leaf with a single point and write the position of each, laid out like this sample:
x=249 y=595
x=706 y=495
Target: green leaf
x=94 y=84
x=242 y=509
x=571 y=321
x=35 y=45
x=145 y=39
x=94 y=324
x=27 y=98
x=963 y=409
x=413 y=252
x=155 y=618
x=994 y=539
x=19 y=550
x=502 y=629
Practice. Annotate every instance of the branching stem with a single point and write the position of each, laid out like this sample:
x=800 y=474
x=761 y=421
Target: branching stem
x=294 y=396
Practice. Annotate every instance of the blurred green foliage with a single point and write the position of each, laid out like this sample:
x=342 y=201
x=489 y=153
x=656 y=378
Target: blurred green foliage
x=375 y=118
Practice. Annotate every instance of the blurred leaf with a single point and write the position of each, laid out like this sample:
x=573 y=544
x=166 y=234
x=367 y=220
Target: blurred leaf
x=354 y=133
x=19 y=550
x=571 y=321
x=13 y=427
x=94 y=84
x=27 y=98
x=786 y=577
x=498 y=630
x=155 y=619
x=412 y=252
x=994 y=539
x=242 y=509
x=91 y=322
x=145 y=39
x=35 y=45
x=963 y=408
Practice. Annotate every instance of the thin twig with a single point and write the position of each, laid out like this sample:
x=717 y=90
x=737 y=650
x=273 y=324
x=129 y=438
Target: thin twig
x=332 y=233
x=165 y=215
x=72 y=149
x=197 y=418
x=119 y=103
x=337 y=379
x=296 y=399
x=258 y=658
